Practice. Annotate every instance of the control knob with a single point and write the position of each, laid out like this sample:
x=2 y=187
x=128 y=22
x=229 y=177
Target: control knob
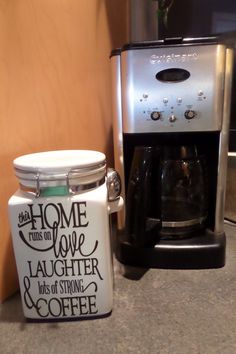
x=155 y=115
x=189 y=114
x=172 y=118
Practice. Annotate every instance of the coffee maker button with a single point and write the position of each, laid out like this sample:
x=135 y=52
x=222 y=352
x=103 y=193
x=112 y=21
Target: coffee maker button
x=172 y=118
x=155 y=115
x=189 y=114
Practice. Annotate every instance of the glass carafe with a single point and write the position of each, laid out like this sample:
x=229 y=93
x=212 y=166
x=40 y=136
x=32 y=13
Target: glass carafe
x=184 y=196
x=167 y=194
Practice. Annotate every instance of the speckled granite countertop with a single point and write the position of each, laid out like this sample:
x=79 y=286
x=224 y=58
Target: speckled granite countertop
x=161 y=312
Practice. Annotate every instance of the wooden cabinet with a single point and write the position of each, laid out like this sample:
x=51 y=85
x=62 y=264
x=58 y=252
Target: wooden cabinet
x=54 y=88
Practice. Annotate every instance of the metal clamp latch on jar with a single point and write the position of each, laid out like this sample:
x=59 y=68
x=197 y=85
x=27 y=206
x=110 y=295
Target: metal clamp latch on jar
x=114 y=189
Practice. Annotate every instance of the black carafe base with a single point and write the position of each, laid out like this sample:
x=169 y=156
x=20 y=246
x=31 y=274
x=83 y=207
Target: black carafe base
x=203 y=250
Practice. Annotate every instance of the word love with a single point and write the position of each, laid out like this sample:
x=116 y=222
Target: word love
x=64 y=244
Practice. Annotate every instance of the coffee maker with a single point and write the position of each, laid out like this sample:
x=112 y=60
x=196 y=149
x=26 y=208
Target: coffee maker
x=171 y=109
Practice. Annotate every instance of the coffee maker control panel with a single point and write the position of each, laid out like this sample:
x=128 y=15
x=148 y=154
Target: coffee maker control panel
x=175 y=89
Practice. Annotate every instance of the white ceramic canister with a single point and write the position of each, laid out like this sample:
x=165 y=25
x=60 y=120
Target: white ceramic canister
x=61 y=233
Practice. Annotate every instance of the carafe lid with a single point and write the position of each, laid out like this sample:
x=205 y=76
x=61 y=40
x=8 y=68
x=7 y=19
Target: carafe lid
x=60 y=167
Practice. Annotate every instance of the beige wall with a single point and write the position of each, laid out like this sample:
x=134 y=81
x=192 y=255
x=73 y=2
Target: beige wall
x=54 y=87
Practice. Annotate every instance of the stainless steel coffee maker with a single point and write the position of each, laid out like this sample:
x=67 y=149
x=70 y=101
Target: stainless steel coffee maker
x=171 y=107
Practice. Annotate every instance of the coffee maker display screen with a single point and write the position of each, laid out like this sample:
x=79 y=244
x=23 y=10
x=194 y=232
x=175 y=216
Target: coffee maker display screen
x=173 y=75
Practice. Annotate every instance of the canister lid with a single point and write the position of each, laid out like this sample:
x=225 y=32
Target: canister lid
x=60 y=167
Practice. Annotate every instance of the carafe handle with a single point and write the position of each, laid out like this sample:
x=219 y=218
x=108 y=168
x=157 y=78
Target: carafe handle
x=142 y=208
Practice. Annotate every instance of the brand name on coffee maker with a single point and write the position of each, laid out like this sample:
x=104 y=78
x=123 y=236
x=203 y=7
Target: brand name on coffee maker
x=173 y=58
